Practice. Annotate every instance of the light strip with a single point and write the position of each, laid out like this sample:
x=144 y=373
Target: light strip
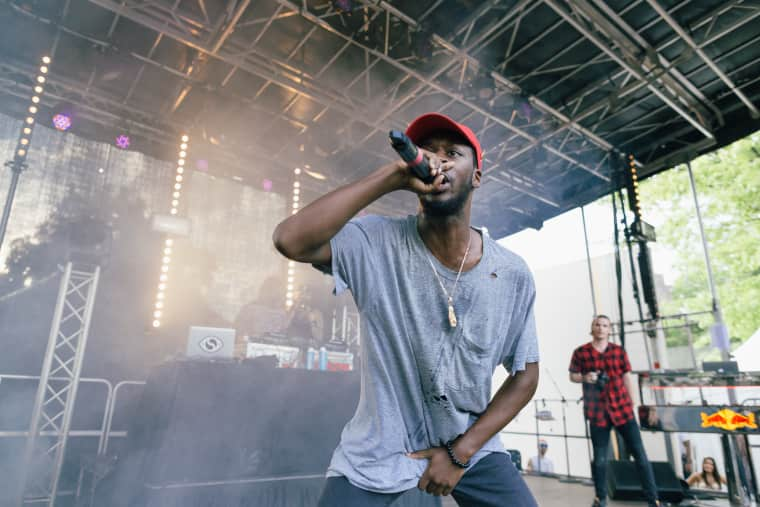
x=295 y=205
x=158 y=307
x=25 y=136
x=635 y=181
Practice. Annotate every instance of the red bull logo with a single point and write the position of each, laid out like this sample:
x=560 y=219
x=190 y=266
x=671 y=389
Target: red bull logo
x=727 y=419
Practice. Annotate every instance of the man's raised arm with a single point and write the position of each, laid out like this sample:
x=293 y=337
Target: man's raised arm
x=305 y=236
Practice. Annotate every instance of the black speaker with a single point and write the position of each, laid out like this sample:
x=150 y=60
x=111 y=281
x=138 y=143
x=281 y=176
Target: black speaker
x=623 y=481
x=516 y=457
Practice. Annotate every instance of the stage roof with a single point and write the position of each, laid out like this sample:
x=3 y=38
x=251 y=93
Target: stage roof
x=557 y=90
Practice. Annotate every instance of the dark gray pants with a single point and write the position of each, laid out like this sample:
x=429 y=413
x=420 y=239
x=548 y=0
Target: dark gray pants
x=600 y=439
x=492 y=482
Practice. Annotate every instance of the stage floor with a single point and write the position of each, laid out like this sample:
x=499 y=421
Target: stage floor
x=550 y=492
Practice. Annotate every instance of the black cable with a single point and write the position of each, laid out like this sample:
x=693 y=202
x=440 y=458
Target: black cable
x=618 y=270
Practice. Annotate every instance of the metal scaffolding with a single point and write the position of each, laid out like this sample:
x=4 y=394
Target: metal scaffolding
x=59 y=381
x=566 y=82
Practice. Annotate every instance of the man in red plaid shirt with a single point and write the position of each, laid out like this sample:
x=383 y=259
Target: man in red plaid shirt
x=605 y=372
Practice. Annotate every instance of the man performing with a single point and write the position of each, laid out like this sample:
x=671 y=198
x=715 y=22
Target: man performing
x=605 y=372
x=442 y=305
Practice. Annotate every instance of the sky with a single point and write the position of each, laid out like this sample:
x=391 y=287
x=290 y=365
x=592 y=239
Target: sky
x=560 y=241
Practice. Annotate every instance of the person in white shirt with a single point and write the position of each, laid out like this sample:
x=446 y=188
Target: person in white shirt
x=540 y=463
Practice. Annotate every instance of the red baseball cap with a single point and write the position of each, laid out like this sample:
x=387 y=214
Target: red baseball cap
x=424 y=125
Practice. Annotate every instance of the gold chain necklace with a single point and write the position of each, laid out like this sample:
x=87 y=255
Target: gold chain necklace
x=450 y=298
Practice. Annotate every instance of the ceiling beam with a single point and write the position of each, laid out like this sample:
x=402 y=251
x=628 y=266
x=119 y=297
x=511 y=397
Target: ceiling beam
x=663 y=95
x=432 y=84
x=711 y=64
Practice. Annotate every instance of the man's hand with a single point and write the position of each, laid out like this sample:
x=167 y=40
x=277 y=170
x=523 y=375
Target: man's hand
x=591 y=377
x=441 y=475
x=437 y=169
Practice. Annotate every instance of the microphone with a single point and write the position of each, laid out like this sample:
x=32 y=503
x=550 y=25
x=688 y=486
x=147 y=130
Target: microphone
x=410 y=154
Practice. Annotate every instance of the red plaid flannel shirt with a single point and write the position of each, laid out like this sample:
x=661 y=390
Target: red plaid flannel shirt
x=612 y=403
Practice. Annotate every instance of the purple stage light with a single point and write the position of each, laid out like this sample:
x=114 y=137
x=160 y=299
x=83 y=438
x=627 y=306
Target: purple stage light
x=267 y=185
x=62 y=122
x=122 y=141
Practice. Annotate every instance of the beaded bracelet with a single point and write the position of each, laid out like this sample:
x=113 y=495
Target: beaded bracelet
x=452 y=456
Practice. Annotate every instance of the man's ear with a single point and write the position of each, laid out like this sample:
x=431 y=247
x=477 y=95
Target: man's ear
x=477 y=174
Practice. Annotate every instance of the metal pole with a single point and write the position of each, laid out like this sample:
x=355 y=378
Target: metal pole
x=717 y=314
x=588 y=261
x=16 y=168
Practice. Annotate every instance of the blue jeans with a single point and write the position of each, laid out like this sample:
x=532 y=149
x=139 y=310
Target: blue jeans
x=491 y=482
x=600 y=439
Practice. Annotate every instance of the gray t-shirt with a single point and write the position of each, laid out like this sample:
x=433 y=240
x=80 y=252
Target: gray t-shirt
x=423 y=382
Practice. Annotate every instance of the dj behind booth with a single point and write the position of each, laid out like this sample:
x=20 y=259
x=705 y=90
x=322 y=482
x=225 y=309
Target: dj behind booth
x=316 y=333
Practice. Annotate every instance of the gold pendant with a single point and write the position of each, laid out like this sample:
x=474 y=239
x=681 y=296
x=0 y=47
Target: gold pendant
x=452 y=316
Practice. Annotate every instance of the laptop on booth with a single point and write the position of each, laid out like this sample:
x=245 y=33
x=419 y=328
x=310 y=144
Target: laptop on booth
x=210 y=342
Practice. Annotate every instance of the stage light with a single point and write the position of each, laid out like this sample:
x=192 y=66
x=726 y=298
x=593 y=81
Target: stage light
x=183 y=146
x=160 y=295
x=163 y=278
x=61 y=122
x=156 y=323
x=180 y=170
x=27 y=131
x=21 y=153
x=181 y=162
x=173 y=211
x=177 y=186
x=161 y=286
x=29 y=120
x=43 y=69
x=157 y=314
x=185 y=138
x=36 y=99
x=296 y=191
x=37 y=89
x=166 y=260
x=123 y=141
x=33 y=109
x=159 y=305
x=164 y=268
x=297 y=171
x=46 y=59
x=169 y=242
x=24 y=141
x=178 y=177
x=175 y=195
x=182 y=154
x=175 y=203
x=40 y=79
x=316 y=175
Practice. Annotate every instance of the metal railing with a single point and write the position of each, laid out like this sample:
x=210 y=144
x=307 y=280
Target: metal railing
x=104 y=433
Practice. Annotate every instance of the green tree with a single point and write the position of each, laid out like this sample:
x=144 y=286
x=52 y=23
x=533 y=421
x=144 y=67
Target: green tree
x=728 y=185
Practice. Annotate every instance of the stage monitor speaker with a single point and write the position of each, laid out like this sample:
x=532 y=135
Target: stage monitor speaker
x=624 y=484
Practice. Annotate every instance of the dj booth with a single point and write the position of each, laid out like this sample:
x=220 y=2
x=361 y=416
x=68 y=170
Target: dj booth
x=234 y=433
